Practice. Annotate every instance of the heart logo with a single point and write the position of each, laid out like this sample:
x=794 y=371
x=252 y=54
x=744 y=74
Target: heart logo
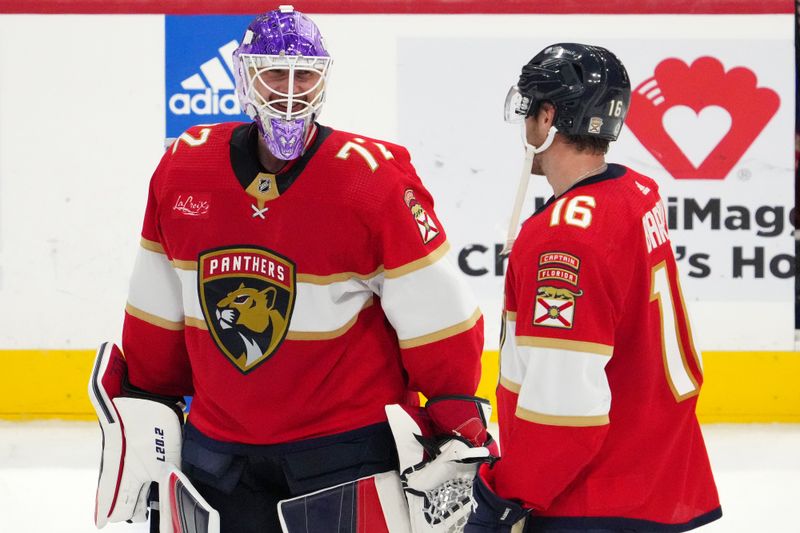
x=696 y=134
x=698 y=120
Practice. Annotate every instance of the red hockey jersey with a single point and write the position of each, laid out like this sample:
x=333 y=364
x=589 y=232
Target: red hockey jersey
x=599 y=374
x=295 y=305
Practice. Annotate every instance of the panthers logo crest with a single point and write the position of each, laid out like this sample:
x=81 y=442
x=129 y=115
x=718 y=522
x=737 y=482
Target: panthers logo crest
x=247 y=295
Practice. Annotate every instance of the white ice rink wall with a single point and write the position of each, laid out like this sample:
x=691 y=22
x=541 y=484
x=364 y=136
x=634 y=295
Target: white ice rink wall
x=85 y=107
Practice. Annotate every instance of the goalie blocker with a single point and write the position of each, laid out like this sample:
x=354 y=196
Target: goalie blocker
x=141 y=446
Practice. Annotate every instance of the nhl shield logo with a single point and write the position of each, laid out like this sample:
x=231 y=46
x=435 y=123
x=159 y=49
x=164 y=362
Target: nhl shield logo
x=247 y=295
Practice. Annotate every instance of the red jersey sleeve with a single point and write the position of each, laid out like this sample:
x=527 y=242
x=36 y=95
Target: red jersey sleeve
x=437 y=320
x=560 y=314
x=152 y=335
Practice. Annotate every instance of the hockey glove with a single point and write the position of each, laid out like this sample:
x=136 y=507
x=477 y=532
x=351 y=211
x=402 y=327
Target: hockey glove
x=490 y=512
x=440 y=448
x=141 y=436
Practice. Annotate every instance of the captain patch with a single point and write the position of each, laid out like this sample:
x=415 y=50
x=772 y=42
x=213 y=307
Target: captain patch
x=560 y=258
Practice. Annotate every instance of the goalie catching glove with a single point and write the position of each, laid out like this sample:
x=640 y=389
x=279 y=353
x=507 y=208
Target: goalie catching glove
x=440 y=448
x=141 y=438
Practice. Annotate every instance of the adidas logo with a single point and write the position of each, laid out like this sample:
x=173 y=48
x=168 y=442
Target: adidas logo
x=211 y=93
x=642 y=188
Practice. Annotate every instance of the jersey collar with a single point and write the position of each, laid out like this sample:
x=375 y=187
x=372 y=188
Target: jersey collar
x=613 y=171
x=244 y=156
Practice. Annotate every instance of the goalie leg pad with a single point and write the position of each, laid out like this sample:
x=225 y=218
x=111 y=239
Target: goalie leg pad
x=140 y=437
x=182 y=508
x=373 y=504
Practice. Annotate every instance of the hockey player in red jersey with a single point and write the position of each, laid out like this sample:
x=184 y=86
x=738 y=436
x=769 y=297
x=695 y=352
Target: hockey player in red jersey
x=293 y=279
x=599 y=375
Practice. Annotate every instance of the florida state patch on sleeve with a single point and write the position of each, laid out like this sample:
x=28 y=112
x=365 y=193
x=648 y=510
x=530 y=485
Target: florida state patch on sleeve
x=427 y=228
x=554 y=307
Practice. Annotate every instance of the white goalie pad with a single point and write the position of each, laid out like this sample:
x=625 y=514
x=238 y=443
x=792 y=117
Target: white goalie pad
x=140 y=438
x=374 y=504
x=182 y=508
x=437 y=482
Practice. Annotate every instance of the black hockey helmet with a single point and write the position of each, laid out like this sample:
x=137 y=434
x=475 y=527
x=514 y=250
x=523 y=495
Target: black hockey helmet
x=588 y=86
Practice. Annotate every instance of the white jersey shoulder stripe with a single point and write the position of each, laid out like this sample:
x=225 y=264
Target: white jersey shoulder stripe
x=512 y=367
x=152 y=319
x=196 y=323
x=327 y=306
x=154 y=288
x=299 y=335
x=566 y=344
x=320 y=311
x=337 y=277
x=564 y=383
x=294 y=335
x=569 y=421
x=326 y=309
x=334 y=278
x=427 y=301
x=420 y=263
x=444 y=333
x=188 y=266
x=189 y=297
x=510 y=385
x=153 y=246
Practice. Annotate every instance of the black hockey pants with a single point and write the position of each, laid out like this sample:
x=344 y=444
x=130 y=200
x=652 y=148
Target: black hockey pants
x=244 y=482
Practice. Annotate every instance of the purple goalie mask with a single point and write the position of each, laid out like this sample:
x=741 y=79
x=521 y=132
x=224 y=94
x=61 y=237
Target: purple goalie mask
x=281 y=68
x=285 y=139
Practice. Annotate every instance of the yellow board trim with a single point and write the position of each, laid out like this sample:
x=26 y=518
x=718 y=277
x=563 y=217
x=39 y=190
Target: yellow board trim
x=739 y=386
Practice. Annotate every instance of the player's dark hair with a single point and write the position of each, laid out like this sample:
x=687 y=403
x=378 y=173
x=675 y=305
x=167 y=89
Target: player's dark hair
x=587 y=143
x=590 y=143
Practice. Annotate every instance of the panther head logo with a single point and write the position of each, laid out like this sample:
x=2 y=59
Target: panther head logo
x=252 y=311
x=247 y=295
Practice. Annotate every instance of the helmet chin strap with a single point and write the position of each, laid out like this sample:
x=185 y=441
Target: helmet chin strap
x=522 y=188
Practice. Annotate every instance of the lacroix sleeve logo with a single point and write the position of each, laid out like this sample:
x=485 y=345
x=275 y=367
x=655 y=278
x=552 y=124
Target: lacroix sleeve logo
x=698 y=120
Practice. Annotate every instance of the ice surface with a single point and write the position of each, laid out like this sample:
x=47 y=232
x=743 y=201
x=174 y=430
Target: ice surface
x=48 y=472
